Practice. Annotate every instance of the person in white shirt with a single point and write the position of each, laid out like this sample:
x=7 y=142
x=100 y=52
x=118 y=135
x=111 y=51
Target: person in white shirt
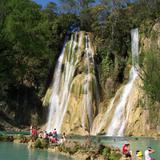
x=148 y=152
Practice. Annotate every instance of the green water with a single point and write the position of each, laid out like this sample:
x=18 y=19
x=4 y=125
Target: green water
x=136 y=143
x=12 y=151
x=14 y=133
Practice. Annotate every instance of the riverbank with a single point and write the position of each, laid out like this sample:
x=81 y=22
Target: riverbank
x=77 y=150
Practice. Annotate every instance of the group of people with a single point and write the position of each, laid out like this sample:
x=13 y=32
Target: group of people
x=139 y=154
x=51 y=136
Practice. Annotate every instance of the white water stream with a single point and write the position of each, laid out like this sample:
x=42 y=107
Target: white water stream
x=121 y=113
x=63 y=78
x=87 y=98
x=61 y=86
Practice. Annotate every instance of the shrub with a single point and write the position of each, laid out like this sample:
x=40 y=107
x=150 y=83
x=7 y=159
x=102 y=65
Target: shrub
x=3 y=138
x=106 y=152
x=44 y=143
x=38 y=143
x=115 y=156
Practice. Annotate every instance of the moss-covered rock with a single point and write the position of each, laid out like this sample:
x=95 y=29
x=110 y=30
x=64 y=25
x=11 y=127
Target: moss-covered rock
x=115 y=156
x=4 y=138
x=41 y=143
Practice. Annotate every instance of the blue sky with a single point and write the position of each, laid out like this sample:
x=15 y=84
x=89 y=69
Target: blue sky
x=45 y=2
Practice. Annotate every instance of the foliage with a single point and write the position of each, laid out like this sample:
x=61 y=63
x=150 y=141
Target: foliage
x=69 y=147
x=38 y=143
x=106 y=152
x=75 y=6
x=151 y=84
x=44 y=143
x=152 y=74
x=115 y=156
x=41 y=143
x=3 y=138
x=111 y=27
x=30 y=41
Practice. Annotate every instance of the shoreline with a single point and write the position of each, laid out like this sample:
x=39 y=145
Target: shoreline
x=27 y=133
x=76 y=150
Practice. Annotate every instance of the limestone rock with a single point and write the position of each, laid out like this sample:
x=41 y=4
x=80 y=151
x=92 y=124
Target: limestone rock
x=81 y=103
x=47 y=97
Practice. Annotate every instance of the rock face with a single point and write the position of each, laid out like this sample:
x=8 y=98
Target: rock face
x=138 y=123
x=74 y=104
x=138 y=117
x=153 y=40
x=77 y=119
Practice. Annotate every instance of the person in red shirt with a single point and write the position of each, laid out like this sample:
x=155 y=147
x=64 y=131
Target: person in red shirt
x=126 y=151
x=34 y=132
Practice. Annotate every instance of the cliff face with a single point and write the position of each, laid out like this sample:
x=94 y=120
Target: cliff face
x=151 y=43
x=139 y=121
x=78 y=106
x=22 y=108
x=138 y=117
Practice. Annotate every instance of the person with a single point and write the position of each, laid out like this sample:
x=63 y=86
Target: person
x=148 y=152
x=126 y=151
x=40 y=135
x=54 y=137
x=31 y=130
x=50 y=136
x=139 y=155
x=45 y=135
x=63 y=138
x=55 y=134
x=34 y=132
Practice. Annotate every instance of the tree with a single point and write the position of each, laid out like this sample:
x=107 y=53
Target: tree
x=84 y=4
x=151 y=74
x=75 y=6
x=69 y=6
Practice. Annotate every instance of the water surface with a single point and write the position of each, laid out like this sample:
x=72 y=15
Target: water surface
x=12 y=151
x=136 y=143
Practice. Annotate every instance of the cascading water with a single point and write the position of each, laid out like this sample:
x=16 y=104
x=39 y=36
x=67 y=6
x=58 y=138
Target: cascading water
x=98 y=127
x=73 y=54
x=87 y=98
x=120 y=117
x=61 y=86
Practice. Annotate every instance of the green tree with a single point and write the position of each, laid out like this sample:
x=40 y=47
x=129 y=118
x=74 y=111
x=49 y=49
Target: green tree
x=69 y=6
x=151 y=74
x=30 y=41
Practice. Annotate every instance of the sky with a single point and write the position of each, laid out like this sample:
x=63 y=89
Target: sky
x=45 y=2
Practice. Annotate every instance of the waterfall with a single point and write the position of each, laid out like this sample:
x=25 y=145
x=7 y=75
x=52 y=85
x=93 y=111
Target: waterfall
x=61 y=86
x=97 y=129
x=87 y=98
x=121 y=113
x=76 y=51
